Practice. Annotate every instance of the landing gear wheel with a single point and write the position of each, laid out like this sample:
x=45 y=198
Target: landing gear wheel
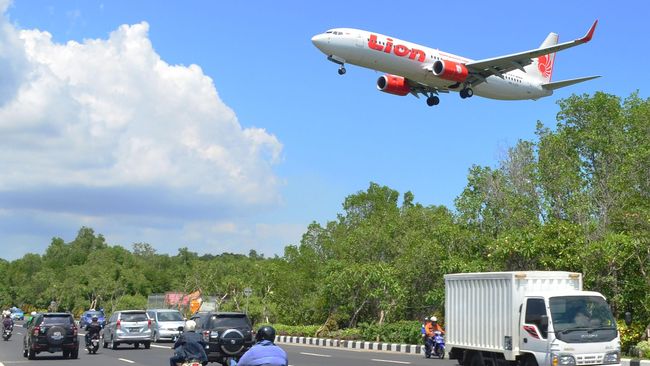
x=466 y=93
x=341 y=70
x=433 y=100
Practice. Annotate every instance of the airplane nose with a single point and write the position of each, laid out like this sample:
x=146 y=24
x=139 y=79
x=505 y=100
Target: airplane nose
x=319 y=40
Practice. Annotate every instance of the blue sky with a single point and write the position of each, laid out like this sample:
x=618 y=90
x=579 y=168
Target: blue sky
x=218 y=126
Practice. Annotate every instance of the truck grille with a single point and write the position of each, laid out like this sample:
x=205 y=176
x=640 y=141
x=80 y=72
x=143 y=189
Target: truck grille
x=592 y=359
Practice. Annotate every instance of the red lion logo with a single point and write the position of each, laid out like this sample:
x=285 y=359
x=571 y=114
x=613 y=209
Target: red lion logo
x=545 y=65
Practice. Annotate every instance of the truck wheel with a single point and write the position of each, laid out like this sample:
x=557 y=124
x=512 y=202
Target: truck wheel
x=474 y=359
x=529 y=361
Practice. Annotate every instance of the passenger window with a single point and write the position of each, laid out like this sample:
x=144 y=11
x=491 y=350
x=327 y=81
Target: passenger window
x=535 y=308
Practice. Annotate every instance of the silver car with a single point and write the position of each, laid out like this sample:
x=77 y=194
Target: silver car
x=165 y=323
x=128 y=326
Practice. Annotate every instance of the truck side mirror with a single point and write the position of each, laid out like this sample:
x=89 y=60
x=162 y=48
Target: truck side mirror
x=628 y=318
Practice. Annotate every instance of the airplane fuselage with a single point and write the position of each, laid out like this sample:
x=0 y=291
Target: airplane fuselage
x=415 y=62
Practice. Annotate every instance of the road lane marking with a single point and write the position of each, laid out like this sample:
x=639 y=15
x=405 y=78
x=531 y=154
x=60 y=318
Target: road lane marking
x=390 y=361
x=314 y=354
x=125 y=360
x=157 y=346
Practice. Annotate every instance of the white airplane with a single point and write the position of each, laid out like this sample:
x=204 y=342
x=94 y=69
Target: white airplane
x=416 y=69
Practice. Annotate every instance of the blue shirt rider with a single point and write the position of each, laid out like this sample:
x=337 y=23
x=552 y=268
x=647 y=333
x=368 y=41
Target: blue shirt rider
x=264 y=352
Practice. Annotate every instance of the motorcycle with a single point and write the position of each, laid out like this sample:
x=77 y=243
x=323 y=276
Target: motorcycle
x=93 y=346
x=6 y=333
x=438 y=345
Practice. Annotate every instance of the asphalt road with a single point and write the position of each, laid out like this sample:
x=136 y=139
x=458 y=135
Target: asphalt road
x=299 y=355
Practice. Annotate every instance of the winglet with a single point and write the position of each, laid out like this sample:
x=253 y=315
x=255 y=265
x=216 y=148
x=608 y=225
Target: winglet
x=589 y=34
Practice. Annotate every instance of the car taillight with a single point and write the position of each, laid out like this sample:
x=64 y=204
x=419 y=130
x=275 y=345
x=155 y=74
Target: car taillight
x=206 y=335
x=119 y=323
x=149 y=323
x=37 y=330
x=74 y=330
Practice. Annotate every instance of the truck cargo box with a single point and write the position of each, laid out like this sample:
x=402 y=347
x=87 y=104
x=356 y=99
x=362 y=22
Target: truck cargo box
x=482 y=309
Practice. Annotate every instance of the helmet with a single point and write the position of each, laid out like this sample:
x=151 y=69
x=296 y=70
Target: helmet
x=265 y=333
x=33 y=313
x=190 y=326
x=434 y=319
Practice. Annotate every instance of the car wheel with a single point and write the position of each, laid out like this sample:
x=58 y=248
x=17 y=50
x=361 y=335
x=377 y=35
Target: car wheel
x=147 y=345
x=24 y=353
x=113 y=344
x=31 y=354
x=74 y=354
x=66 y=354
x=136 y=345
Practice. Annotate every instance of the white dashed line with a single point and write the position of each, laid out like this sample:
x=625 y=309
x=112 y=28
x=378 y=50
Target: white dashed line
x=125 y=360
x=314 y=354
x=157 y=346
x=391 y=361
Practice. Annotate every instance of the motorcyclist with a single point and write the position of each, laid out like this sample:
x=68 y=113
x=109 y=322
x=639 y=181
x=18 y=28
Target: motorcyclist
x=92 y=328
x=7 y=323
x=430 y=328
x=264 y=352
x=425 y=338
x=189 y=346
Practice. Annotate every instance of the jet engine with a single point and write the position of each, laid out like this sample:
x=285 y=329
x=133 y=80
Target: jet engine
x=393 y=84
x=450 y=70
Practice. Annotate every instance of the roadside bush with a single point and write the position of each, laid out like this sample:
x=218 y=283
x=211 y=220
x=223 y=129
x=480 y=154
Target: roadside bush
x=405 y=331
x=630 y=336
x=644 y=349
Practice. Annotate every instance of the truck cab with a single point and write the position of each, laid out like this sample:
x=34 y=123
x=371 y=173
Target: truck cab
x=567 y=329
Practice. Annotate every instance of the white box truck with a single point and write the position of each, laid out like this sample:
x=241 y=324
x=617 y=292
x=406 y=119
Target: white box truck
x=532 y=318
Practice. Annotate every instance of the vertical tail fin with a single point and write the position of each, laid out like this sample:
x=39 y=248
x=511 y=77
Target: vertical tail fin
x=542 y=67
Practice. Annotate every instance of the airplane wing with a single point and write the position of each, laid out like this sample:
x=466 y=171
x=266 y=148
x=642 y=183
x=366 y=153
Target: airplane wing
x=481 y=69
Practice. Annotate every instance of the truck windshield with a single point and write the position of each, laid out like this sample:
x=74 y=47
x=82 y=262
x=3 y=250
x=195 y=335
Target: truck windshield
x=582 y=319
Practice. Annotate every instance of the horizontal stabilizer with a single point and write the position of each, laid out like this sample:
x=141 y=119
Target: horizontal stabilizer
x=563 y=83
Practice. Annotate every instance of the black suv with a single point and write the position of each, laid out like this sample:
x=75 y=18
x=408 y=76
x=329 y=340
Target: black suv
x=228 y=335
x=51 y=332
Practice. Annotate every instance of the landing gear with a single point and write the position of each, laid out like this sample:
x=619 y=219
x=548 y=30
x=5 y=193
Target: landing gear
x=466 y=93
x=433 y=100
x=339 y=61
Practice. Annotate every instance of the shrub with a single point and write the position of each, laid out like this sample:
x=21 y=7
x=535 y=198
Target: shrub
x=630 y=336
x=644 y=348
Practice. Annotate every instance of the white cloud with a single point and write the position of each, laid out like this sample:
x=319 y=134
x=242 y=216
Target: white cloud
x=106 y=127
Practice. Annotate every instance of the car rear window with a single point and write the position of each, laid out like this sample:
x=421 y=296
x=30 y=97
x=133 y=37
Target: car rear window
x=57 y=319
x=229 y=322
x=169 y=316
x=98 y=314
x=134 y=317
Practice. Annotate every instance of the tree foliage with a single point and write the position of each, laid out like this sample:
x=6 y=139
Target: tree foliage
x=576 y=199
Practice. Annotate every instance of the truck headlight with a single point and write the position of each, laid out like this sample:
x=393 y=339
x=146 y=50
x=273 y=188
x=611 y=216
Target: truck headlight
x=563 y=360
x=612 y=357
